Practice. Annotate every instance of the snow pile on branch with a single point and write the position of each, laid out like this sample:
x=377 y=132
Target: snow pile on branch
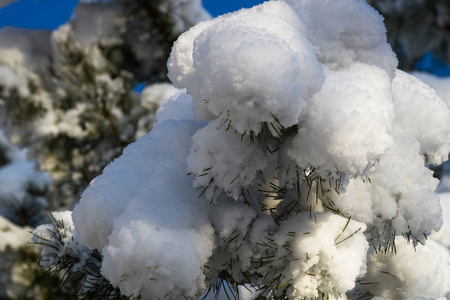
x=442 y=87
x=439 y=84
x=63 y=234
x=306 y=149
x=393 y=276
x=443 y=235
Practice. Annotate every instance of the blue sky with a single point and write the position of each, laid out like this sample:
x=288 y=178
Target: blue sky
x=49 y=14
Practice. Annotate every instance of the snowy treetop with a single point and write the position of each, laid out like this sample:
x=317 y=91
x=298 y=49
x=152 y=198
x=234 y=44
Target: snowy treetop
x=292 y=160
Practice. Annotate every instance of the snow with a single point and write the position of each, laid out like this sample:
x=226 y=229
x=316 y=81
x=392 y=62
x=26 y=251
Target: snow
x=440 y=84
x=12 y=81
x=350 y=32
x=96 y=20
x=12 y=236
x=185 y=13
x=156 y=94
x=443 y=235
x=350 y=100
x=330 y=254
x=142 y=222
x=422 y=272
x=59 y=239
x=17 y=176
x=211 y=159
x=241 y=85
x=294 y=149
x=397 y=184
x=417 y=108
x=25 y=47
x=152 y=97
x=178 y=107
x=13 y=240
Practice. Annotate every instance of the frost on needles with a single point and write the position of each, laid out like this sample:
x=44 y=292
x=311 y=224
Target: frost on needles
x=292 y=162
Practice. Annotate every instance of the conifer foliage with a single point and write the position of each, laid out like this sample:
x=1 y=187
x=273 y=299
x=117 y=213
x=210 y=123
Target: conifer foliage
x=290 y=164
x=69 y=99
x=72 y=102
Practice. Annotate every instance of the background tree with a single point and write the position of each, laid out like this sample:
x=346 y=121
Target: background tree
x=72 y=102
x=74 y=98
x=22 y=207
x=416 y=28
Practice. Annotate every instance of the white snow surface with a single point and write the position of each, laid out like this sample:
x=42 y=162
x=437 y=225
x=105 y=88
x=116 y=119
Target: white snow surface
x=238 y=82
x=178 y=107
x=331 y=254
x=418 y=108
x=422 y=272
x=357 y=99
x=397 y=183
x=443 y=235
x=238 y=173
x=440 y=84
x=145 y=211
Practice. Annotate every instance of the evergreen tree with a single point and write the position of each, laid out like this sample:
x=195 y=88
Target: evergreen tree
x=291 y=164
x=415 y=28
x=69 y=97
x=22 y=207
x=22 y=187
x=75 y=107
